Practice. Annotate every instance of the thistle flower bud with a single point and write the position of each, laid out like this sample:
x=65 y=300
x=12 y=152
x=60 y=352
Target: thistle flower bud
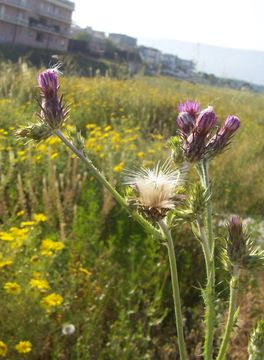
x=189 y=106
x=256 y=342
x=36 y=132
x=232 y=123
x=185 y=121
x=236 y=243
x=194 y=147
x=240 y=250
x=48 y=83
x=52 y=111
x=222 y=138
x=205 y=121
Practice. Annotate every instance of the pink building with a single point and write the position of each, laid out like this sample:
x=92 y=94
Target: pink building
x=36 y=23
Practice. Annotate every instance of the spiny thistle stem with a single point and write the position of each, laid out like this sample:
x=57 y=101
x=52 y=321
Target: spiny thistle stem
x=210 y=265
x=175 y=288
x=205 y=246
x=232 y=313
x=96 y=173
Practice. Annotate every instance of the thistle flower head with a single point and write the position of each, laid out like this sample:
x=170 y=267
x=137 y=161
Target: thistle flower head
x=185 y=122
x=236 y=243
x=222 y=138
x=205 y=121
x=52 y=111
x=188 y=111
x=155 y=190
x=195 y=130
x=34 y=132
x=48 y=82
x=189 y=106
x=240 y=249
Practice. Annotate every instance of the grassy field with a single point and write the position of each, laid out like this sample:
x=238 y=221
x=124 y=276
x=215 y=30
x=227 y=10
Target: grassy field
x=69 y=255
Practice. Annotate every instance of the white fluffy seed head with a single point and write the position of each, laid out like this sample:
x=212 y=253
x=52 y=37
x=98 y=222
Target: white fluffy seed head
x=68 y=329
x=156 y=188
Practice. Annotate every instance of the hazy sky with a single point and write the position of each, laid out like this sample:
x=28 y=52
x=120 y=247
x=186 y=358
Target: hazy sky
x=230 y=23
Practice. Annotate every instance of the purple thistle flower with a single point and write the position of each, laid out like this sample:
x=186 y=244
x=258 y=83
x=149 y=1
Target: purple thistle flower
x=186 y=118
x=205 y=121
x=232 y=123
x=48 y=83
x=185 y=122
x=224 y=135
x=189 y=106
x=52 y=111
x=194 y=147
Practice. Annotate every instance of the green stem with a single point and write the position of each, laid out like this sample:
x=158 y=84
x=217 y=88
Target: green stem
x=96 y=173
x=175 y=288
x=232 y=313
x=209 y=249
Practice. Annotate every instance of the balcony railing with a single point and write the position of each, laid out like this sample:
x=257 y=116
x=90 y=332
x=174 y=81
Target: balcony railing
x=48 y=29
x=14 y=20
x=53 y=16
x=36 y=26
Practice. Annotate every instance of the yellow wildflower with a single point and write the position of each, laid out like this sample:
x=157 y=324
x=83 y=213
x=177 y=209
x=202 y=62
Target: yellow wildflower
x=6 y=236
x=17 y=232
x=40 y=217
x=47 y=246
x=23 y=347
x=91 y=126
x=12 y=288
x=27 y=223
x=5 y=263
x=119 y=167
x=107 y=128
x=3 y=132
x=3 y=349
x=54 y=155
x=140 y=154
x=53 y=140
x=52 y=300
x=39 y=284
x=58 y=245
x=21 y=154
x=20 y=213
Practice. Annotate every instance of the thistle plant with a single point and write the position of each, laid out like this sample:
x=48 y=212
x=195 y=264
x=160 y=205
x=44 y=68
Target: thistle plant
x=154 y=198
x=256 y=342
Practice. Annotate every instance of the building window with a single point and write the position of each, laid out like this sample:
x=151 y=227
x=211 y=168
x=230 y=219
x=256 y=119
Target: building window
x=39 y=37
x=2 y=10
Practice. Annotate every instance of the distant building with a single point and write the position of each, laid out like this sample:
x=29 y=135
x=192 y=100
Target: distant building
x=169 y=61
x=185 y=65
x=124 y=42
x=36 y=23
x=150 y=56
x=98 y=34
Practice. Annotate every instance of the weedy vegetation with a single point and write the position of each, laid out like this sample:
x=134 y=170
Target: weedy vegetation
x=82 y=277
